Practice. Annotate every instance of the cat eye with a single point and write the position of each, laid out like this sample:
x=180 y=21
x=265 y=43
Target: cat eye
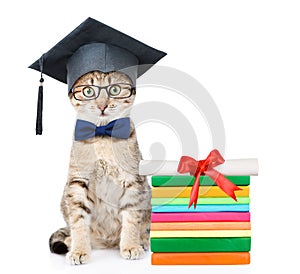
x=88 y=92
x=116 y=91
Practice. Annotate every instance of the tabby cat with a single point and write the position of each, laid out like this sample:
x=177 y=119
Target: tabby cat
x=105 y=203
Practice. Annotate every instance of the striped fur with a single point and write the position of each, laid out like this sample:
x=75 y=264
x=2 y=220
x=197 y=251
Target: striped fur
x=105 y=203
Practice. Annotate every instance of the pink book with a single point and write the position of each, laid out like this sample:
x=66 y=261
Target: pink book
x=201 y=217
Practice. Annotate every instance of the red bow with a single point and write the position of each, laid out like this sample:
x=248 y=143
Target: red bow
x=205 y=167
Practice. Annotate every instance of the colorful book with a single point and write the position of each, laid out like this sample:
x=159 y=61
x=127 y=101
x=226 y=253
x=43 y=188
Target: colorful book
x=201 y=201
x=201 y=258
x=199 y=233
x=201 y=208
x=240 y=244
x=201 y=217
x=204 y=191
x=167 y=181
x=200 y=226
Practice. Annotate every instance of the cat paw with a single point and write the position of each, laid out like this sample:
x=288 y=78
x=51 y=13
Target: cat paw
x=132 y=253
x=146 y=245
x=75 y=258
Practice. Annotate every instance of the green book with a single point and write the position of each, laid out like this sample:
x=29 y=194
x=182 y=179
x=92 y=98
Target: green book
x=189 y=180
x=201 y=201
x=238 y=244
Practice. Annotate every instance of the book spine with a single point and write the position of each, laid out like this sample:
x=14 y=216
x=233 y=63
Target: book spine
x=203 y=258
x=201 y=217
x=189 y=180
x=242 y=244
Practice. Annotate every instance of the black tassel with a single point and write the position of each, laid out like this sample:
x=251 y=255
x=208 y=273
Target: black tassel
x=39 y=113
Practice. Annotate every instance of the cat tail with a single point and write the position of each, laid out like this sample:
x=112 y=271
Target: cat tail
x=59 y=241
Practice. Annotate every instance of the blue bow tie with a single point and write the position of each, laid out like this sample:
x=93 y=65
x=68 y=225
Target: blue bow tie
x=119 y=128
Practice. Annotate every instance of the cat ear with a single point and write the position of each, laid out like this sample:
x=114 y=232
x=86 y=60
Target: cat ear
x=39 y=112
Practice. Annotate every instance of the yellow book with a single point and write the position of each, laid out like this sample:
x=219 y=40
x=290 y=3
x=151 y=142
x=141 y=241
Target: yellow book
x=204 y=191
x=199 y=233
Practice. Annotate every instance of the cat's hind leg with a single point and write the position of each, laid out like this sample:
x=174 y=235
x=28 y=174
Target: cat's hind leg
x=59 y=241
x=145 y=232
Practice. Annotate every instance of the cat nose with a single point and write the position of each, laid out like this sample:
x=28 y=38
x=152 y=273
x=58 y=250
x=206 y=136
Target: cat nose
x=102 y=107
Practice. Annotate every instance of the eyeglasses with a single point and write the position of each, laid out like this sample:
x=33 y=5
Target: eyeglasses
x=90 y=92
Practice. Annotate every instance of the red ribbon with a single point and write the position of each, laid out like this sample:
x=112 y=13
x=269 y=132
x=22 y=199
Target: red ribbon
x=205 y=167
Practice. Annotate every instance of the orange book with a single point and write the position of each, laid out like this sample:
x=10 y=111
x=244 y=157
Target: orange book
x=201 y=258
x=204 y=191
x=201 y=226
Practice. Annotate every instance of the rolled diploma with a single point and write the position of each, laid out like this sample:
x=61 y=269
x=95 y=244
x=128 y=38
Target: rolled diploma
x=236 y=167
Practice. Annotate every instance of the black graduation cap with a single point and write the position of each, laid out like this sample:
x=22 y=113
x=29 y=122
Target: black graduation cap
x=93 y=46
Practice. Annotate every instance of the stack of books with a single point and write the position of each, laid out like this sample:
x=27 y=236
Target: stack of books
x=216 y=232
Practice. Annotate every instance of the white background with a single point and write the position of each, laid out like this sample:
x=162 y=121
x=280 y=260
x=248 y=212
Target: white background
x=245 y=53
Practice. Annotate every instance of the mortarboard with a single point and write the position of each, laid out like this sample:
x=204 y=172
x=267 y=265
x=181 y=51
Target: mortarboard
x=93 y=46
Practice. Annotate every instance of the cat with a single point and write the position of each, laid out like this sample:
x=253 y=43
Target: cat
x=106 y=203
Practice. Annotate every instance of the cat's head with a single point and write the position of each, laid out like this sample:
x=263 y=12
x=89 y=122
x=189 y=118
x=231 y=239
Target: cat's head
x=102 y=97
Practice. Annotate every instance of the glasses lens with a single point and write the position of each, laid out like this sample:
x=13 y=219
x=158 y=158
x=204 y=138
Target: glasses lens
x=88 y=92
x=84 y=93
x=119 y=90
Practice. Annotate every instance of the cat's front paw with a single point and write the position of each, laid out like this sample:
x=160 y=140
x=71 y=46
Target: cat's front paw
x=132 y=253
x=75 y=258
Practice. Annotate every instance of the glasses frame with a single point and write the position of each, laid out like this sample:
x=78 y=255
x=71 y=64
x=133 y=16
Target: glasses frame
x=132 y=91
